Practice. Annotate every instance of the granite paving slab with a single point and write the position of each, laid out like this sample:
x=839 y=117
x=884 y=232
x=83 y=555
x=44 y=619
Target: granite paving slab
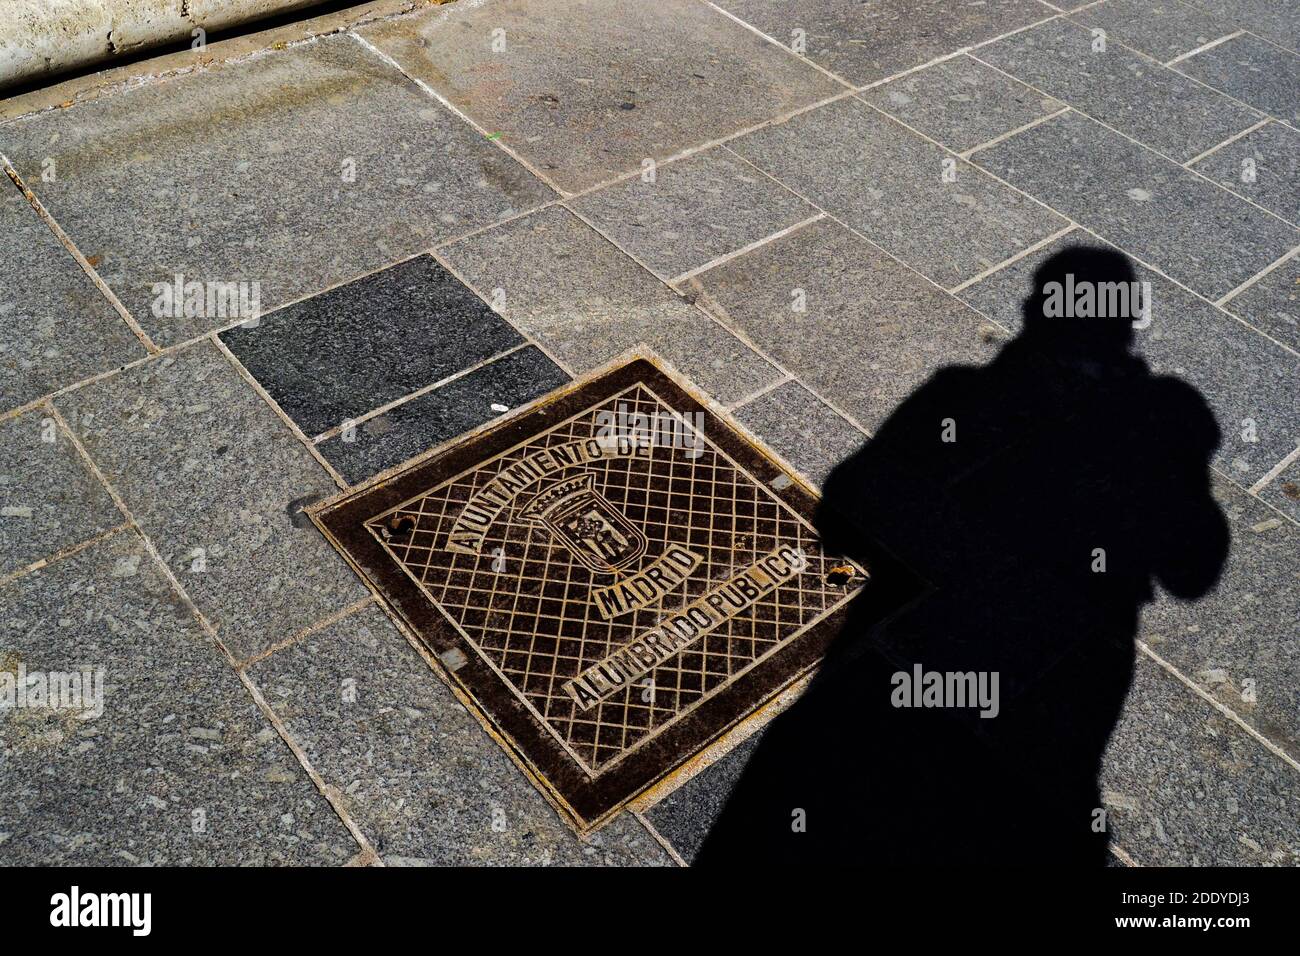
x=588 y=89
x=1254 y=71
x=692 y=211
x=961 y=102
x=180 y=768
x=920 y=203
x=801 y=428
x=421 y=777
x=1163 y=29
x=586 y=302
x=443 y=413
x=329 y=143
x=1276 y=22
x=1264 y=166
x=1151 y=103
x=56 y=327
x=1142 y=202
x=1241 y=374
x=338 y=355
x=1185 y=786
x=216 y=480
x=1272 y=304
x=1283 y=492
x=871 y=330
x=866 y=42
x=49 y=498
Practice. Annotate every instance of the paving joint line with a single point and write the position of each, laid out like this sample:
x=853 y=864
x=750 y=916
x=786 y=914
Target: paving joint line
x=315 y=628
x=1202 y=48
x=1281 y=466
x=1276 y=264
x=737 y=253
x=967 y=153
x=62 y=554
x=1227 y=142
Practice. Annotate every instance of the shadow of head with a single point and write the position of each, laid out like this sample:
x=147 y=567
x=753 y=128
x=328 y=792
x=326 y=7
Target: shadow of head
x=1086 y=302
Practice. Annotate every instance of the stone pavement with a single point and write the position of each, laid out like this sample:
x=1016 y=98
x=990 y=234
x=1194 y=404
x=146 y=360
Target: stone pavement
x=443 y=214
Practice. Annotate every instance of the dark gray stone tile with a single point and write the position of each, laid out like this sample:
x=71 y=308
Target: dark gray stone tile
x=801 y=428
x=1238 y=642
x=694 y=211
x=1185 y=786
x=593 y=87
x=1240 y=373
x=1198 y=233
x=1153 y=104
x=340 y=354
x=1255 y=72
x=417 y=773
x=1277 y=22
x=1273 y=303
x=216 y=480
x=586 y=302
x=443 y=413
x=1163 y=29
x=686 y=815
x=1283 y=492
x=181 y=769
x=241 y=175
x=867 y=42
x=1264 y=165
x=56 y=328
x=49 y=499
x=961 y=102
x=872 y=331
x=888 y=183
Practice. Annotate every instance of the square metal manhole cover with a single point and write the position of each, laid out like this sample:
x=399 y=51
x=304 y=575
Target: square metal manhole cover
x=615 y=577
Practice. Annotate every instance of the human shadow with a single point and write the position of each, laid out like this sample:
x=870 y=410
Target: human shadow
x=1042 y=495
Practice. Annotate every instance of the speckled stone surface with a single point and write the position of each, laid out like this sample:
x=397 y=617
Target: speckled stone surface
x=56 y=328
x=1264 y=166
x=872 y=330
x=443 y=413
x=340 y=354
x=1141 y=202
x=888 y=183
x=1283 y=492
x=686 y=815
x=565 y=285
x=422 y=779
x=1184 y=785
x=1254 y=71
x=49 y=498
x=694 y=211
x=960 y=102
x=1118 y=87
x=1276 y=22
x=1240 y=373
x=1273 y=303
x=1163 y=29
x=180 y=769
x=801 y=428
x=153 y=183
x=1245 y=630
x=203 y=463
x=587 y=89
x=865 y=43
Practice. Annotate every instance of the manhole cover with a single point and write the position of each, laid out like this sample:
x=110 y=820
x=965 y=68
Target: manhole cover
x=614 y=577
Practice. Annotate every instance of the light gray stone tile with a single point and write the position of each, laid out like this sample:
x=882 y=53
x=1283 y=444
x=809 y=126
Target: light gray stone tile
x=1264 y=165
x=203 y=463
x=56 y=328
x=872 y=331
x=590 y=88
x=242 y=175
x=422 y=779
x=1254 y=71
x=586 y=302
x=693 y=211
x=1196 y=232
x=181 y=768
x=1273 y=303
x=866 y=42
x=49 y=498
x=1240 y=373
x=889 y=183
x=801 y=428
x=961 y=102
x=1155 y=105
x=1185 y=786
